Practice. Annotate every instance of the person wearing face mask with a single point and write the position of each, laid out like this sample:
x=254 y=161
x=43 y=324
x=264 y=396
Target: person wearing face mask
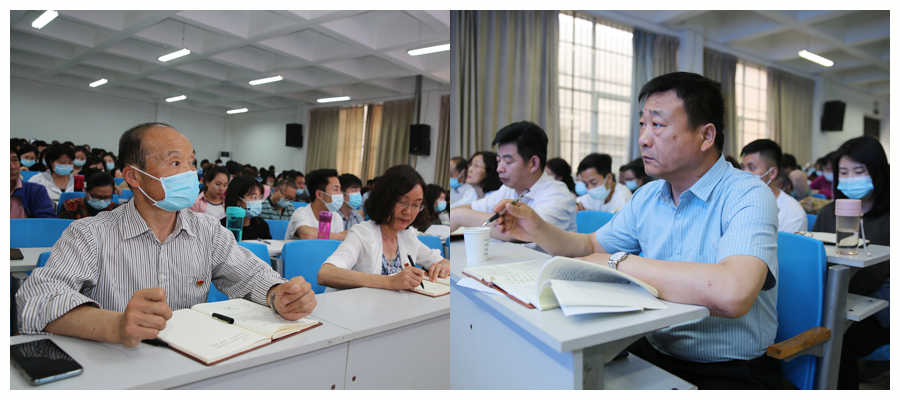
x=325 y=186
x=435 y=205
x=375 y=251
x=246 y=193
x=824 y=183
x=863 y=173
x=117 y=277
x=98 y=189
x=26 y=199
x=461 y=193
x=81 y=156
x=28 y=157
x=760 y=157
x=632 y=175
x=351 y=186
x=598 y=189
x=280 y=204
x=302 y=194
x=58 y=177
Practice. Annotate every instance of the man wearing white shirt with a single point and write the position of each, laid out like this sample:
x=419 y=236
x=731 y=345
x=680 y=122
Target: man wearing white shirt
x=522 y=153
x=461 y=193
x=603 y=193
x=325 y=186
x=761 y=158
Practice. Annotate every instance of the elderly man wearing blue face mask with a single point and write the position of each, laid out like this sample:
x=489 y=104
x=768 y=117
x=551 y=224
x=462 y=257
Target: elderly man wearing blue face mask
x=598 y=189
x=325 y=195
x=280 y=204
x=118 y=277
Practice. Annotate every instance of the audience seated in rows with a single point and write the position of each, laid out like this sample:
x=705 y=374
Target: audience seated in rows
x=280 y=205
x=59 y=177
x=27 y=200
x=246 y=193
x=98 y=193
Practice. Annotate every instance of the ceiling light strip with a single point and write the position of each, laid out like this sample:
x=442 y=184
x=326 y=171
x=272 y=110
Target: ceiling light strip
x=815 y=58
x=44 y=19
x=174 y=55
x=333 y=99
x=237 y=111
x=176 y=98
x=275 y=78
x=98 y=83
x=429 y=50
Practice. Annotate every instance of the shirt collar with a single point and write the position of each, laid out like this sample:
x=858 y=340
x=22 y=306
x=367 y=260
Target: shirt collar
x=133 y=224
x=703 y=188
x=18 y=183
x=538 y=185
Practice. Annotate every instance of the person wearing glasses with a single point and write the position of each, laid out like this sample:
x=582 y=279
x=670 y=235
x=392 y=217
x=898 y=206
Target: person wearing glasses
x=280 y=204
x=246 y=193
x=374 y=253
x=99 y=188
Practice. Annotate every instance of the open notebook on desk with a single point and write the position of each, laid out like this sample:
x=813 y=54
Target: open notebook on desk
x=578 y=287
x=194 y=332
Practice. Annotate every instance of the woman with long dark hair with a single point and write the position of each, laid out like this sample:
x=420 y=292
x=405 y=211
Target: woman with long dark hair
x=482 y=173
x=560 y=170
x=374 y=252
x=247 y=193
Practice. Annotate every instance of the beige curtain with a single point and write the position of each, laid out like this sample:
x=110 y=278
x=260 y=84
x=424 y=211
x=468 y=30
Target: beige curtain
x=790 y=112
x=722 y=68
x=323 y=138
x=654 y=55
x=442 y=169
x=503 y=70
x=350 y=140
x=390 y=141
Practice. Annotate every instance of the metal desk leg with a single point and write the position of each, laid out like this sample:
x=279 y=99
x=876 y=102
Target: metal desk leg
x=278 y=265
x=834 y=317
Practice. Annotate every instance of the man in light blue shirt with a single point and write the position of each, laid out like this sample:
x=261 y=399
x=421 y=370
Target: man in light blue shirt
x=709 y=237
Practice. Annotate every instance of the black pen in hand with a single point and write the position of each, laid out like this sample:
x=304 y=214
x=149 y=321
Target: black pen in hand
x=412 y=264
x=503 y=211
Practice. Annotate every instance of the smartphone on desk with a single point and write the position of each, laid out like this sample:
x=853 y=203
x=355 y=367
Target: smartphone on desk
x=15 y=254
x=42 y=361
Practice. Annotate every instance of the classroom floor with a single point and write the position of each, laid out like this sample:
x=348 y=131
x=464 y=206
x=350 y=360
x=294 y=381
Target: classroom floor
x=883 y=384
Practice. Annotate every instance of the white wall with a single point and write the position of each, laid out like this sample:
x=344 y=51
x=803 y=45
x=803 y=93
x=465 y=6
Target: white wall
x=859 y=105
x=258 y=139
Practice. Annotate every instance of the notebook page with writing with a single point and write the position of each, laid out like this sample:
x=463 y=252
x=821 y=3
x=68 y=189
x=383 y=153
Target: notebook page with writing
x=432 y=288
x=206 y=338
x=255 y=317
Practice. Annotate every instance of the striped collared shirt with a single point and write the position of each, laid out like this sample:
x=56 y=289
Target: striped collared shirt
x=727 y=212
x=103 y=260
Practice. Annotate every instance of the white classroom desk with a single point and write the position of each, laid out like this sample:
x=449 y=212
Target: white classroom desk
x=401 y=339
x=315 y=359
x=834 y=316
x=29 y=262
x=499 y=344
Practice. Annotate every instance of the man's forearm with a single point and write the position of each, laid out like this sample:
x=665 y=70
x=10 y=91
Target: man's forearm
x=558 y=242
x=86 y=322
x=307 y=232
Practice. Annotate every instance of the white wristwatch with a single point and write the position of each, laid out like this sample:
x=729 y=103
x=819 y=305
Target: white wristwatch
x=615 y=259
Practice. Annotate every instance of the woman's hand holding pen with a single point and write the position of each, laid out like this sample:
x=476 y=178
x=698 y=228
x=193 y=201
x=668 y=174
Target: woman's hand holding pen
x=409 y=278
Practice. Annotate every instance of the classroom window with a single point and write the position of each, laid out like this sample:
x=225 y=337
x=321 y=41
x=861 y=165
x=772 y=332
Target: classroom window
x=595 y=61
x=750 y=102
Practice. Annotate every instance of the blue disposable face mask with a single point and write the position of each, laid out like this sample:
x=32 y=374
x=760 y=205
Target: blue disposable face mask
x=829 y=176
x=764 y=174
x=336 y=202
x=599 y=192
x=355 y=200
x=28 y=163
x=254 y=207
x=441 y=206
x=580 y=188
x=856 y=187
x=98 y=204
x=181 y=190
x=811 y=171
x=631 y=184
x=301 y=191
x=79 y=163
x=454 y=183
x=283 y=203
x=111 y=166
x=63 y=169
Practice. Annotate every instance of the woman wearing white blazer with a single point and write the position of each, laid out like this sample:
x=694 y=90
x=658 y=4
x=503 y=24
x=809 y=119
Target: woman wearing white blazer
x=374 y=253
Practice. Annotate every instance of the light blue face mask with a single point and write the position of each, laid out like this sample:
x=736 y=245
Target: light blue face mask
x=284 y=202
x=580 y=188
x=98 y=204
x=632 y=184
x=301 y=191
x=79 y=163
x=111 y=166
x=63 y=169
x=811 y=171
x=856 y=187
x=336 y=202
x=28 y=163
x=454 y=183
x=355 y=200
x=441 y=206
x=599 y=192
x=254 y=207
x=181 y=191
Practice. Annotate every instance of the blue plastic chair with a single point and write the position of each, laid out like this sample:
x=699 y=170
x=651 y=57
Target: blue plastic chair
x=882 y=353
x=305 y=258
x=433 y=242
x=258 y=249
x=65 y=196
x=26 y=175
x=119 y=181
x=810 y=221
x=36 y=232
x=215 y=295
x=298 y=204
x=801 y=294
x=126 y=194
x=278 y=228
x=819 y=196
x=41 y=261
x=590 y=221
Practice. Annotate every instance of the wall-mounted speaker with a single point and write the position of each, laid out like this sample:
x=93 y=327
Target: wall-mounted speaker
x=833 y=115
x=294 y=135
x=420 y=140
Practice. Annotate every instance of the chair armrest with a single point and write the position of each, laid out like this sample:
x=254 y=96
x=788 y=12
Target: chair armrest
x=799 y=343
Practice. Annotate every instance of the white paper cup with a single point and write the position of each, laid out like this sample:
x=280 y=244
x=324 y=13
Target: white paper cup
x=477 y=243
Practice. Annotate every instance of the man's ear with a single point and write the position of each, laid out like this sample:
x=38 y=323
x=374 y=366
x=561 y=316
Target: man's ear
x=708 y=134
x=130 y=176
x=535 y=164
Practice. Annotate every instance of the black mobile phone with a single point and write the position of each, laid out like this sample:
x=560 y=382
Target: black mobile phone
x=42 y=361
x=15 y=254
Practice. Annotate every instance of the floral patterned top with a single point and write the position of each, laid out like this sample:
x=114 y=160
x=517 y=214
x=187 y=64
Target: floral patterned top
x=391 y=267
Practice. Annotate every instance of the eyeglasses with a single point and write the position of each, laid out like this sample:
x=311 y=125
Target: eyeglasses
x=103 y=198
x=252 y=198
x=416 y=207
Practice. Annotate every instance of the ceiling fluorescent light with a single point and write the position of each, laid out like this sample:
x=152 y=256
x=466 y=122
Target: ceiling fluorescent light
x=816 y=58
x=174 y=55
x=176 y=98
x=275 y=78
x=429 y=50
x=333 y=99
x=98 y=83
x=237 y=110
x=44 y=19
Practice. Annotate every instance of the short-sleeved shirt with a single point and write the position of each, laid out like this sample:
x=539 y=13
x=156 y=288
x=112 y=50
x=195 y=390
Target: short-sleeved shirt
x=727 y=212
x=462 y=195
x=549 y=198
x=620 y=196
x=791 y=215
x=304 y=216
x=352 y=219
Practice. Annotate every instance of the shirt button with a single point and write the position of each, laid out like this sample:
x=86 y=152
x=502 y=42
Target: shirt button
x=678 y=216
